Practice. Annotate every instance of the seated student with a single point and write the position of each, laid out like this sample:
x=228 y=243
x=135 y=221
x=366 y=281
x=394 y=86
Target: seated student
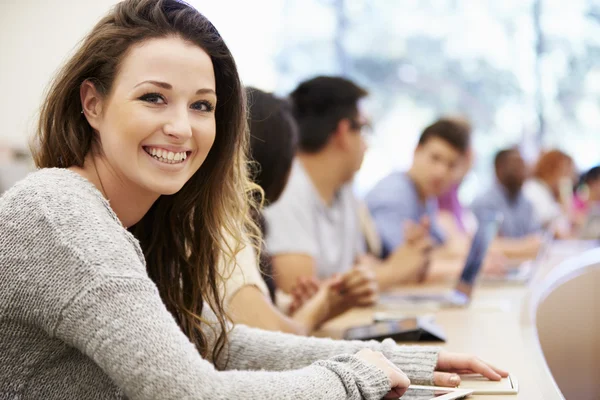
x=452 y=217
x=108 y=279
x=273 y=143
x=313 y=230
x=411 y=195
x=588 y=194
x=553 y=172
x=506 y=196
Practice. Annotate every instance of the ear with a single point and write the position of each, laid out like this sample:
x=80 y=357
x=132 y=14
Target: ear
x=342 y=133
x=91 y=103
x=417 y=148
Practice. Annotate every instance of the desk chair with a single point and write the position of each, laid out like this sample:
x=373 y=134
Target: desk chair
x=567 y=321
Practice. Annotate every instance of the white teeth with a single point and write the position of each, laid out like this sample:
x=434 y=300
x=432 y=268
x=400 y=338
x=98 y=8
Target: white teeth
x=167 y=157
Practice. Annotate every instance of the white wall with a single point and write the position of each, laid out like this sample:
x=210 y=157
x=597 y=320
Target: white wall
x=36 y=36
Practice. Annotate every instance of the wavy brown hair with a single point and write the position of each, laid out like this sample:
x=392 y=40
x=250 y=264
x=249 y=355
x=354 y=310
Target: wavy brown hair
x=183 y=235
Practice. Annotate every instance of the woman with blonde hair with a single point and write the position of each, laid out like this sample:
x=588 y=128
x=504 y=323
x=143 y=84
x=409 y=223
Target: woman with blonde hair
x=108 y=276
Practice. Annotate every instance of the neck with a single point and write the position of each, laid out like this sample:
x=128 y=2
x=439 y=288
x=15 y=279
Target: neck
x=129 y=203
x=324 y=174
x=511 y=192
x=415 y=178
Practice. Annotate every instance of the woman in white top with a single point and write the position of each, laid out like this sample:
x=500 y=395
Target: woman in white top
x=248 y=298
x=551 y=188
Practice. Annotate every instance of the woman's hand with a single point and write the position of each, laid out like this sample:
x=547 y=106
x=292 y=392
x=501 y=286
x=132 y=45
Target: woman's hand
x=398 y=379
x=449 y=365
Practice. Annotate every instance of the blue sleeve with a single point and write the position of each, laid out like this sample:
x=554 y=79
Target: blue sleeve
x=478 y=207
x=390 y=206
x=435 y=230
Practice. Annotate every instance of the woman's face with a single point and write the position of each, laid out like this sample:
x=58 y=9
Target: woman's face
x=157 y=125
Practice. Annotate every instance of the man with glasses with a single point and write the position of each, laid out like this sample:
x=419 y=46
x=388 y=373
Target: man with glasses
x=314 y=229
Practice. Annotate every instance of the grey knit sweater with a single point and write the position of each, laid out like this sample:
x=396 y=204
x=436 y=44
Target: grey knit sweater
x=81 y=319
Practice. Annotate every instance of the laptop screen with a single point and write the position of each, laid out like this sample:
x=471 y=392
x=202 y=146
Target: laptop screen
x=488 y=228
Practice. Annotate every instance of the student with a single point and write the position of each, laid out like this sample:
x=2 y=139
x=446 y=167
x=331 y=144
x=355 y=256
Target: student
x=412 y=195
x=273 y=143
x=313 y=230
x=108 y=279
x=589 y=190
x=506 y=196
x=452 y=217
x=553 y=172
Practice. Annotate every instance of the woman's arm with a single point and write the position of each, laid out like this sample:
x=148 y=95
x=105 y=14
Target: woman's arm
x=252 y=348
x=122 y=324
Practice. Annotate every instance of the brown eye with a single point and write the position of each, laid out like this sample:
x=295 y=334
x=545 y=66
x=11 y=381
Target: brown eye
x=155 y=98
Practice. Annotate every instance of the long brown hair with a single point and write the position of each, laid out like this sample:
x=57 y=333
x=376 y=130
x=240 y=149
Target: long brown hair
x=183 y=235
x=549 y=165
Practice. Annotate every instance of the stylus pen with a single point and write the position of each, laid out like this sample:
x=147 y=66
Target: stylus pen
x=422 y=387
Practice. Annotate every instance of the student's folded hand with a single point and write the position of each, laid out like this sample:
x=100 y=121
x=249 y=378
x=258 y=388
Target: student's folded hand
x=413 y=258
x=449 y=365
x=495 y=264
x=415 y=232
x=305 y=289
x=359 y=286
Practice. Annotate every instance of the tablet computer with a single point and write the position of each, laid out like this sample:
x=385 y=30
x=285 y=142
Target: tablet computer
x=401 y=330
x=481 y=385
x=418 y=392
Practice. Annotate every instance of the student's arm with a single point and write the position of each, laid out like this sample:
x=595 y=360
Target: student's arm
x=521 y=248
x=291 y=239
x=418 y=362
x=249 y=306
x=410 y=261
x=123 y=326
x=288 y=268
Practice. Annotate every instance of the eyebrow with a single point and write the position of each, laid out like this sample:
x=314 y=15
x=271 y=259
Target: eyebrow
x=168 y=86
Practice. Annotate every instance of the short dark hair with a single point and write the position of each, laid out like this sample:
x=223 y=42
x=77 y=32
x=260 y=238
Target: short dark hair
x=502 y=155
x=273 y=141
x=319 y=104
x=592 y=175
x=454 y=131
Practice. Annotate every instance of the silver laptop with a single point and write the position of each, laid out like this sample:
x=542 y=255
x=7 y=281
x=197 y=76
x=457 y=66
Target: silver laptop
x=526 y=269
x=461 y=295
x=591 y=228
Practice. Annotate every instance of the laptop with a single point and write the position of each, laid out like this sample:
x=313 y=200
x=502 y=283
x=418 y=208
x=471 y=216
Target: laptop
x=461 y=295
x=591 y=228
x=525 y=270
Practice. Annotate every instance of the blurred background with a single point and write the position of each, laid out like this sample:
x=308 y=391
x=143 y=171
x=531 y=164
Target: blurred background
x=525 y=72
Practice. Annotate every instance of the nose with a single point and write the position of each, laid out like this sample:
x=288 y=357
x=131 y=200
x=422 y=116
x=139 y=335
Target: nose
x=439 y=170
x=178 y=127
x=364 y=144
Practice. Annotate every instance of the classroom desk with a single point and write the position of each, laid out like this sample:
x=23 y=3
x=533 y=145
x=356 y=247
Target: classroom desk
x=496 y=327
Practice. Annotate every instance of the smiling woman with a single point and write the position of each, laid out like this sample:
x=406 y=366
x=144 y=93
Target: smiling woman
x=108 y=253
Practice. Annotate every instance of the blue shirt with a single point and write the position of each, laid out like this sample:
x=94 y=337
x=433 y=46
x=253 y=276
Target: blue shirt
x=395 y=200
x=519 y=216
